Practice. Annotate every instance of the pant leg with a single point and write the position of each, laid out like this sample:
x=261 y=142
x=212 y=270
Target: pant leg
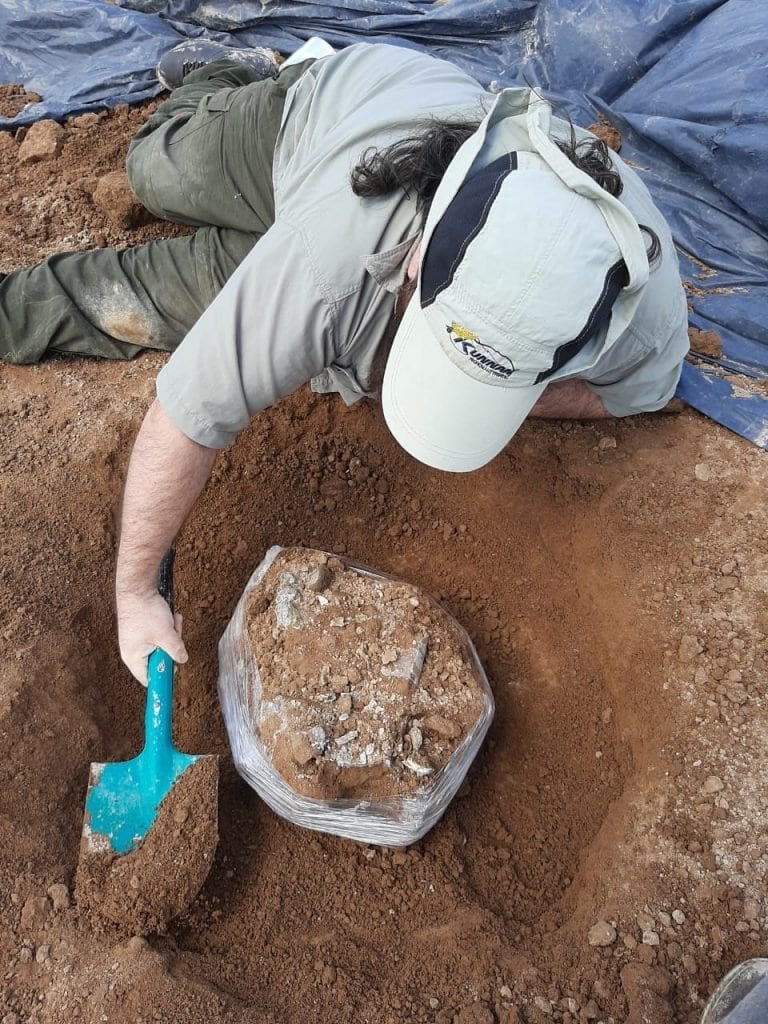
x=112 y=303
x=205 y=156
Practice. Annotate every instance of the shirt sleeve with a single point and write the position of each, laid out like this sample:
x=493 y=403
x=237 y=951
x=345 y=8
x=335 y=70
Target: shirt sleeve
x=647 y=384
x=267 y=332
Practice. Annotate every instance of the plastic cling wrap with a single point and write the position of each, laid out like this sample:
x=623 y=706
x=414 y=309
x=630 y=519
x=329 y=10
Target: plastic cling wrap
x=354 y=703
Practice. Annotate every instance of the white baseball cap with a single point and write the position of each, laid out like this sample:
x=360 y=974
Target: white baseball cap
x=525 y=262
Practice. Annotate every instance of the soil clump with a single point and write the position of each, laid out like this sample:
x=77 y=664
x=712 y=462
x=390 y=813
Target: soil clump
x=14 y=98
x=705 y=343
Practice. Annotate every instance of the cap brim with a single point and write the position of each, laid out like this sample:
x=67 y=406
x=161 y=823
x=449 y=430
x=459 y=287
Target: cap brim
x=438 y=413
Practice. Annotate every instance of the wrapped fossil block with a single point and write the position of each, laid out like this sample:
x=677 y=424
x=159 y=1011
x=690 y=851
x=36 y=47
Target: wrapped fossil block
x=354 y=703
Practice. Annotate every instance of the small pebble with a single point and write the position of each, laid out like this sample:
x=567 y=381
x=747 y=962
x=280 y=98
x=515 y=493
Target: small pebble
x=712 y=785
x=751 y=910
x=505 y=992
x=650 y=938
x=689 y=964
x=59 y=895
x=602 y=934
x=342 y=741
x=678 y=917
x=319 y=579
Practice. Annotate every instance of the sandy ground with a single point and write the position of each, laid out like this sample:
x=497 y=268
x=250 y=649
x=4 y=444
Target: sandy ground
x=606 y=860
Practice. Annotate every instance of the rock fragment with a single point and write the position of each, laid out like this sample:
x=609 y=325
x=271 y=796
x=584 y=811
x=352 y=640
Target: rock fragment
x=35 y=913
x=601 y=934
x=645 y=922
x=43 y=141
x=59 y=895
x=712 y=785
x=114 y=197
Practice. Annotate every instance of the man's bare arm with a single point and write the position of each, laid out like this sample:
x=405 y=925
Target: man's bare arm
x=166 y=474
x=569 y=400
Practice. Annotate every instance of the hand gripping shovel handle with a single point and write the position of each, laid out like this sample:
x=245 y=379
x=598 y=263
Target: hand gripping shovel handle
x=158 y=722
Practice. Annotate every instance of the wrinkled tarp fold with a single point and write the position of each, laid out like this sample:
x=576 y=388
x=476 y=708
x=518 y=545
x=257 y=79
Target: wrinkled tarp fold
x=685 y=82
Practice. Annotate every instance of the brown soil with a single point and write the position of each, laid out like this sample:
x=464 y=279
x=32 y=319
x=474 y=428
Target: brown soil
x=705 y=343
x=367 y=686
x=613 y=577
x=14 y=98
x=144 y=890
x=607 y=132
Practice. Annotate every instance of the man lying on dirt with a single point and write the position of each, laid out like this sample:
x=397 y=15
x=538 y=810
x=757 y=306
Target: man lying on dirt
x=383 y=226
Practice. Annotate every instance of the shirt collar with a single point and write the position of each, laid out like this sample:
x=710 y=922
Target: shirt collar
x=388 y=267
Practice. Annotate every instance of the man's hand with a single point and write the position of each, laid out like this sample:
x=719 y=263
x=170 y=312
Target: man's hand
x=166 y=473
x=145 y=623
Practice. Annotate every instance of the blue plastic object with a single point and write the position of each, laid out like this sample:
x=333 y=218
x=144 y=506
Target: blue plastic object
x=741 y=997
x=124 y=797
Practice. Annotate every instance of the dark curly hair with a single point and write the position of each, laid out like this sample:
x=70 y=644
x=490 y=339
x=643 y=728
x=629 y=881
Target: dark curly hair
x=417 y=163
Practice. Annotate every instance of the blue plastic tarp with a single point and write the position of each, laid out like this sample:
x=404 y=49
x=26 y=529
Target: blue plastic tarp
x=685 y=82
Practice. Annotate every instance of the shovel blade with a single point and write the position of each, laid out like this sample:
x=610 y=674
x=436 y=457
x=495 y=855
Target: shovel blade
x=162 y=872
x=123 y=800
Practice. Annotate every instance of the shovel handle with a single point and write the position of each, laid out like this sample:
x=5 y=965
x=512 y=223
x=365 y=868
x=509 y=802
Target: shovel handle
x=158 y=725
x=165 y=577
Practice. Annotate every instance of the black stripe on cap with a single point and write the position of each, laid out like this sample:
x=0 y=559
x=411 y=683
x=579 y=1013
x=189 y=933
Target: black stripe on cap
x=615 y=280
x=464 y=217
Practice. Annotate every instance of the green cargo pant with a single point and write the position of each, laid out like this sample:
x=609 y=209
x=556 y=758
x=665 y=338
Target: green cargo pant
x=203 y=158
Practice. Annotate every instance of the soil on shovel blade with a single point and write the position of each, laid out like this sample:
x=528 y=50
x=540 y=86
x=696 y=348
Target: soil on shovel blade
x=606 y=858
x=144 y=890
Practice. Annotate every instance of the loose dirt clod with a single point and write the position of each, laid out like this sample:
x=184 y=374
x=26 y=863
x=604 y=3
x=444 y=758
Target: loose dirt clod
x=14 y=98
x=607 y=133
x=114 y=197
x=142 y=891
x=43 y=141
x=705 y=343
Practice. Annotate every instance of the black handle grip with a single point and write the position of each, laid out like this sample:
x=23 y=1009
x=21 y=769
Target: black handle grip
x=165 y=576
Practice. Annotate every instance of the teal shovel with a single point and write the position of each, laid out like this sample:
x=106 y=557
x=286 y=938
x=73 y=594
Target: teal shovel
x=161 y=788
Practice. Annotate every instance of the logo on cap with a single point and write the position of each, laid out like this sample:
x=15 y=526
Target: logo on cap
x=483 y=356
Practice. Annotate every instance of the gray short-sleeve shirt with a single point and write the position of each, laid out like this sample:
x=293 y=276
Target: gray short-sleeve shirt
x=315 y=297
